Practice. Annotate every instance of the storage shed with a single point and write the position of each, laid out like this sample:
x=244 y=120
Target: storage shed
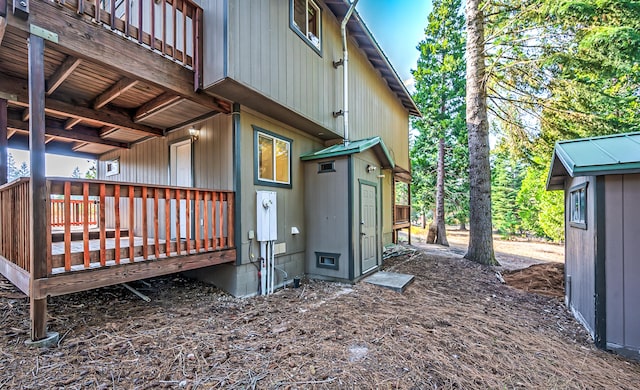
x=600 y=177
x=343 y=208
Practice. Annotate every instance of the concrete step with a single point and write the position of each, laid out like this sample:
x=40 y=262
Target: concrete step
x=395 y=281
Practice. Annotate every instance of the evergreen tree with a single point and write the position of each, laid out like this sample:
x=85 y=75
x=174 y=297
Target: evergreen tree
x=24 y=170
x=440 y=92
x=12 y=171
x=76 y=173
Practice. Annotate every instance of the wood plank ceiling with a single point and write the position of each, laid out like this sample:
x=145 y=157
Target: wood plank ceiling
x=90 y=109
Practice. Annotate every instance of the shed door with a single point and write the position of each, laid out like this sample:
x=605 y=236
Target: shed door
x=181 y=175
x=368 y=227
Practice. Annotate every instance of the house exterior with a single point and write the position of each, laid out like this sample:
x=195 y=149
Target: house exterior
x=601 y=180
x=204 y=117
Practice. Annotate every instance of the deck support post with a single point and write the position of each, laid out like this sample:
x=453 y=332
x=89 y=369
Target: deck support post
x=4 y=141
x=37 y=184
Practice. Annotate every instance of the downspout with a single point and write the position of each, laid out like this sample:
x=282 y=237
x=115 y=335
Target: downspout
x=345 y=70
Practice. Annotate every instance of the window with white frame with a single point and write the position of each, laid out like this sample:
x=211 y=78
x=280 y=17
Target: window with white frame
x=306 y=21
x=273 y=159
x=578 y=206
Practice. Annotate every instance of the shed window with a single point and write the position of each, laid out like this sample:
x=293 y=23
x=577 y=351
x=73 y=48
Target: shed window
x=578 y=206
x=305 y=21
x=273 y=159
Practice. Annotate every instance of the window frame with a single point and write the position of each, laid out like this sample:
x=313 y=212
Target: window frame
x=297 y=29
x=574 y=192
x=257 y=132
x=328 y=255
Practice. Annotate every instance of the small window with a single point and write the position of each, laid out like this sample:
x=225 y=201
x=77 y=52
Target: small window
x=578 y=206
x=326 y=166
x=273 y=159
x=327 y=260
x=305 y=21
x=112 y=167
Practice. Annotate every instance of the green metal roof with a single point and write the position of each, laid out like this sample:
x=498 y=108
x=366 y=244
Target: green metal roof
x=344 y=149
x=612 y=154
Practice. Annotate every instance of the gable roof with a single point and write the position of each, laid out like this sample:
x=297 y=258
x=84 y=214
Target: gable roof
x=352 y=147
x=612 y=154
x=367 y=43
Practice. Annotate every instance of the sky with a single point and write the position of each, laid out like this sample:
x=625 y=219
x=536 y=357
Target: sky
x=398 y=26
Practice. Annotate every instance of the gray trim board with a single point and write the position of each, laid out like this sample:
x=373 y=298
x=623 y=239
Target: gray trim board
x=350 y=214
x=600 y=266
x=225 y=44
x=237 y=178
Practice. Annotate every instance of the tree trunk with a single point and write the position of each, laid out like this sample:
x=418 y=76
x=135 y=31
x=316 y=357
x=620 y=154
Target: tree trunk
x=441 y=232
x=480 y=229
x=462 y=226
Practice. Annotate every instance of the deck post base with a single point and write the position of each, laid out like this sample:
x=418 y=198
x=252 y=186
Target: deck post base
x=49 y=341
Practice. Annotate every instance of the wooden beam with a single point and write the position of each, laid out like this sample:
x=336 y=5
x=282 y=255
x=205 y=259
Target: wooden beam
x=107 y=130
x=16 y=275
x=48 y=138
x=79 y=37
x=55 y=128
x=155 y=106
x=4 y=141
x=70 y=282
x=17 y=89
x=117 y=89
x=68 y=125
x=39 y=225
x=61 y=74
x=25 y=115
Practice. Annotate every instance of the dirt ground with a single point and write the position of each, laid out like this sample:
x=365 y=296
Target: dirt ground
x=456 y=327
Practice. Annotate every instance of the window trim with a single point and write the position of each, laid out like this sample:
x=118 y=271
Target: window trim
x=296 y=29
x=335 y=256
x=257 y=131
x=573 y=190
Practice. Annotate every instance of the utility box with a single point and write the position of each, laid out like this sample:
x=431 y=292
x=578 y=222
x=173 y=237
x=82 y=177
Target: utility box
x=267 y=216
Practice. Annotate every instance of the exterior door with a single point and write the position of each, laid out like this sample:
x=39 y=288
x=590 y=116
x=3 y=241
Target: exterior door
x=368 y=227
x=181 y=175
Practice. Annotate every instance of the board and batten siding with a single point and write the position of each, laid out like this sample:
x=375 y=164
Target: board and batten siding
x=580 y=253
x=214 y=46
x=265 y=55
x=622 y=260
x=148 y=162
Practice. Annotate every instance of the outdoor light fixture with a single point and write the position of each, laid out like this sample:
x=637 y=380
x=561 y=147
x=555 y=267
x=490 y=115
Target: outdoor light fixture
x=371 y=168
x=194 y=133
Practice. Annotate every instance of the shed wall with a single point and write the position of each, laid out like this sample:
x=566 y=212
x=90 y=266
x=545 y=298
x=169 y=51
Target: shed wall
x=622 y=213
x=580 y=256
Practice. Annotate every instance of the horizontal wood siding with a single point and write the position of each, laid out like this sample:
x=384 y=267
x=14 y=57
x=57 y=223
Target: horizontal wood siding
x=270 y=58
x=622 y=265
x=580 y=256
x=148 y=162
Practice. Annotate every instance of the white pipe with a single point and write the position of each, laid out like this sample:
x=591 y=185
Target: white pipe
x=273 y=265
x=263 y=267
x=345 y=70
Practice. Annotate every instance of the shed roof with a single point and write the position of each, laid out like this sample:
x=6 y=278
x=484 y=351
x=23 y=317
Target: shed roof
x=612 y=154
x=344 y=149
x=366 y=42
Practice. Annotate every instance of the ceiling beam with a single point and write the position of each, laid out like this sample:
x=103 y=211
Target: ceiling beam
x=156 y=106
x=71 y=122
x=17 y=90
x=117 y=89
x=61 y=74
x=55 y=128
x=107 y=130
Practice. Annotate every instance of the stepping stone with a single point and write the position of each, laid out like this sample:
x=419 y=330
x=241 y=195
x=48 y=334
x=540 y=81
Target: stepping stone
x=395 y=281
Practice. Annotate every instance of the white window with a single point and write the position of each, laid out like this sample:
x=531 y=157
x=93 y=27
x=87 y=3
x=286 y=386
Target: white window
x=306 y=20
x=578 y=206
x=273 y=159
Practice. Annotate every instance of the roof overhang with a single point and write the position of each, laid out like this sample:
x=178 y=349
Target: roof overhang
x=348 y=148
x=608 y=155
x=366 y=42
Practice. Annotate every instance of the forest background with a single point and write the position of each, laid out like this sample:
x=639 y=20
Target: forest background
x=555 y=70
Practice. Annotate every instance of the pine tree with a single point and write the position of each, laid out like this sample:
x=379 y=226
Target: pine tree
x=440 y=96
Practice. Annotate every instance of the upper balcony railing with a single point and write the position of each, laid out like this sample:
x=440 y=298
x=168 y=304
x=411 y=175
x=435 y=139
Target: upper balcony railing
x=169 y=27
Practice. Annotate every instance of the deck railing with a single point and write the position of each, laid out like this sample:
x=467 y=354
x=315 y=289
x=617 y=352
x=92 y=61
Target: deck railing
x=161 y=222
x=402 y=214
x=171 y=27
x=14 y=217
x=77 y=212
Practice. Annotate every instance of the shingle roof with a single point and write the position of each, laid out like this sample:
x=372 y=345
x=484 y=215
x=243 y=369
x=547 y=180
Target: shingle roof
x=612 y=154
x=352 y=147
